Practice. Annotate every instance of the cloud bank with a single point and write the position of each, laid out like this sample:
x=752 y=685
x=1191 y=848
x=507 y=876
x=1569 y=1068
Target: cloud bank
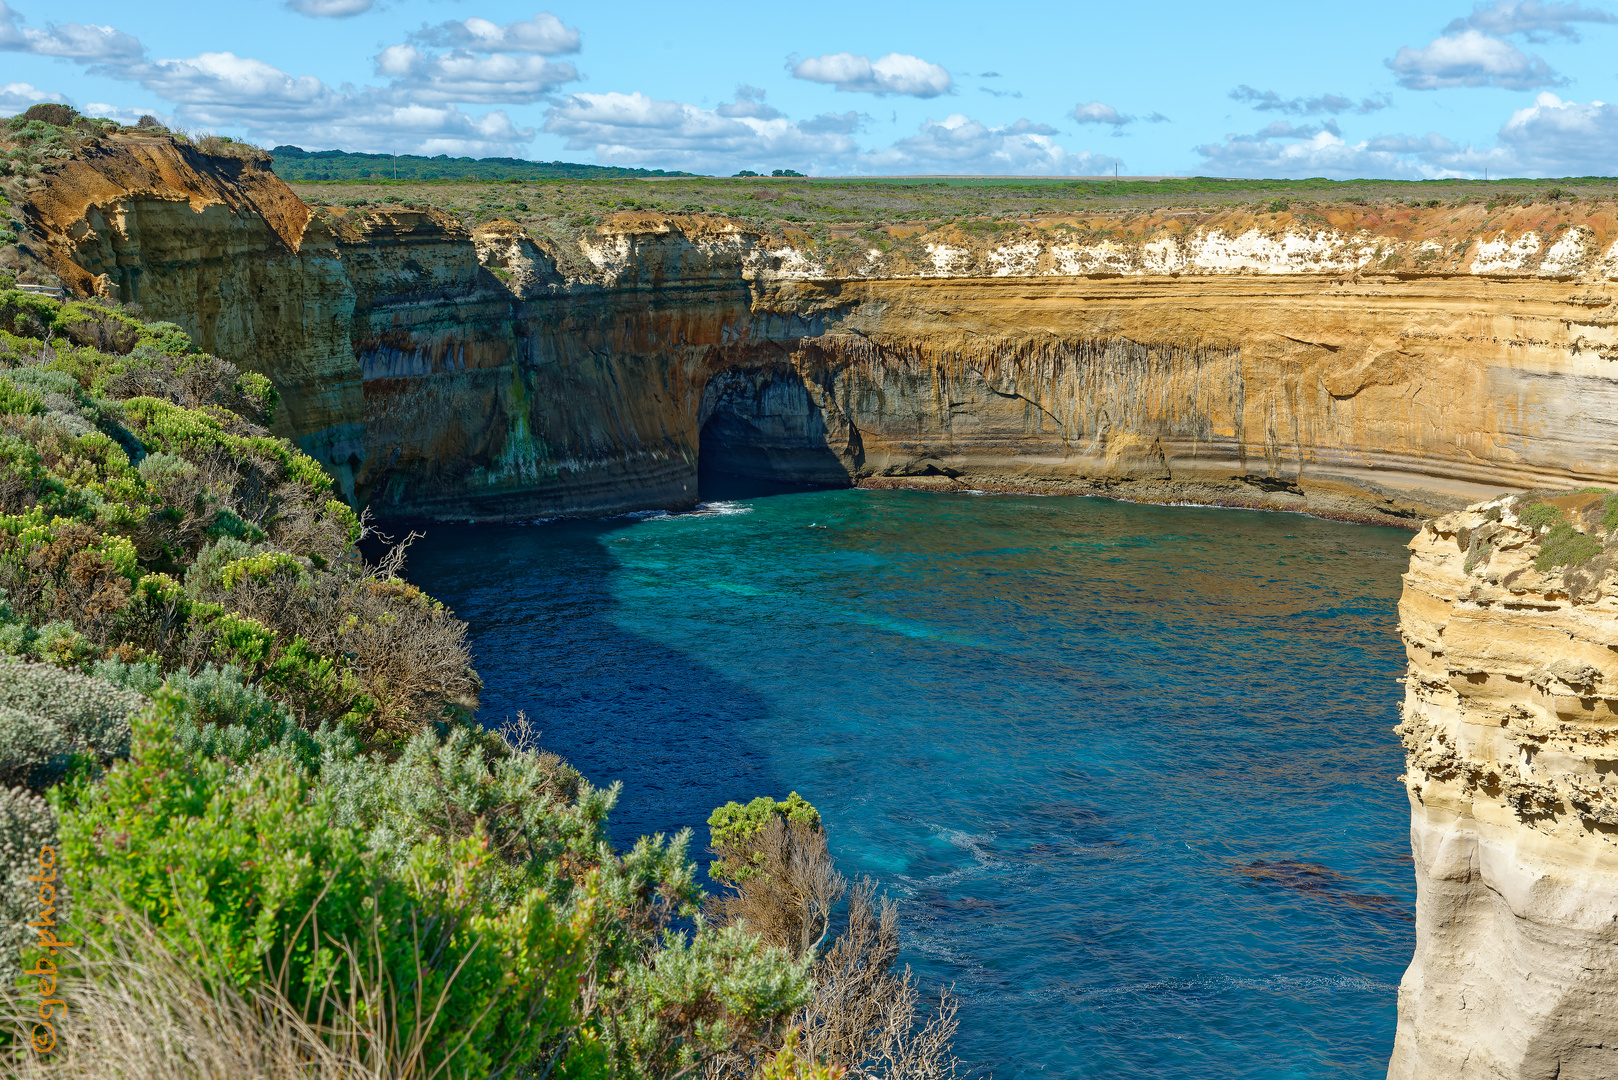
x=1270 y=101
x=895 y=73
x=1471 y=58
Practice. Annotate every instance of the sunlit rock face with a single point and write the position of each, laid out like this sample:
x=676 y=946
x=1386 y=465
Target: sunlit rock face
x=1258 y=360
x=1511 y=743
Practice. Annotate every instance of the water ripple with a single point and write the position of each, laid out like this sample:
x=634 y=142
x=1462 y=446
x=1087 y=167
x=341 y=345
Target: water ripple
x=1127 y=769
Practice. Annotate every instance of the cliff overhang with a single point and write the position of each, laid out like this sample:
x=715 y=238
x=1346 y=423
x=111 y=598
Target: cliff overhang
x=1362 y=363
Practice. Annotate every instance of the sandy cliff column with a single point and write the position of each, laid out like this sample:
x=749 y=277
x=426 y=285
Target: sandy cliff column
x=1512 y=767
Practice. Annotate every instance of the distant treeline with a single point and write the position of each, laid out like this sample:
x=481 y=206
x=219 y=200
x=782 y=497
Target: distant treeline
x=295 y=163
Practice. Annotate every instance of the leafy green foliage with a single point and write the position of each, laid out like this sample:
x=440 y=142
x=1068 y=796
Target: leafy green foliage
x=53 y=718
x=1539 y=516
x=790 y=1063
x=18 y=400
x=1565 y=546
x=27 y=824
x=247 y=864
x=735 y=826
x=136 y=470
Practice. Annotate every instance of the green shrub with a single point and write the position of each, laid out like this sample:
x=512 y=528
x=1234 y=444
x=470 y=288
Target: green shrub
x=49 y=718
x=1539 y=516
x=1565 y=546
x=744 y=992
x=27 y=824
x=247 y=864
x=217 y=713
x=734 y=827
x=18 y=400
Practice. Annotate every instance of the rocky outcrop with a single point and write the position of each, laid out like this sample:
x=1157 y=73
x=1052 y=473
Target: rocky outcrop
x=1511 y=736
x=1372 y=363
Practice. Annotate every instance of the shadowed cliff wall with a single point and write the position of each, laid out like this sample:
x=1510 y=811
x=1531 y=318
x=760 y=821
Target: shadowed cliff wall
x=447 y=375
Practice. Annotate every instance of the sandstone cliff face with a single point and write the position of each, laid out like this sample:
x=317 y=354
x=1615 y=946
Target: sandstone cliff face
x=1222 y=357
x=1512 y=768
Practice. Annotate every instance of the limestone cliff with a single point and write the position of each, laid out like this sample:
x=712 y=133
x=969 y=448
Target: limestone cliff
x=1511 y=741
x=1370 y=363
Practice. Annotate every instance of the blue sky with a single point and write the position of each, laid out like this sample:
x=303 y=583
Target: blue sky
x=1409 y=88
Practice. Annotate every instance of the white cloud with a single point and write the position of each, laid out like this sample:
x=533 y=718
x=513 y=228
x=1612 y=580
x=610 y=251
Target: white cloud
x=330 y=9
x=17 y=96
x=1270 y=101
x=225 y=91
x=415 y=111
x=71 y=41
x=1320 y=153
x=1280 y=129
x=1553 y=137
x=215 y=85
x=1471 y=58
x=1286 y=150
x=487 y=63
x=543 y=34
x=1097 y=113
x=1534 y=19
x=465 y=76
x=895 y=73
x=749 y=102
x=960 y=144
x=634 y=129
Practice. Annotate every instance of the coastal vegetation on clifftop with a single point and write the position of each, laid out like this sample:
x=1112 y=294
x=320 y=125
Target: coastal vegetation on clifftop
x=284 y=844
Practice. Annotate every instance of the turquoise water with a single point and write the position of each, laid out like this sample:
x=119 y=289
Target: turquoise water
x=1128 y=768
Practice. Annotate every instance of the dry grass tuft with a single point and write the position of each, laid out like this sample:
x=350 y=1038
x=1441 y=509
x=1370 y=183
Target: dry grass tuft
x=135 y=1012
x=137 y=1009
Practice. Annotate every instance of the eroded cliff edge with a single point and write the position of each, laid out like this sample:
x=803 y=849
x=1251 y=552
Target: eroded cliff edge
x=1511 y=741
x=496 y=375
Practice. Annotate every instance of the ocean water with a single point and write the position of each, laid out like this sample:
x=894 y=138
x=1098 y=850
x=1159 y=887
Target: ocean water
x=1128 y=769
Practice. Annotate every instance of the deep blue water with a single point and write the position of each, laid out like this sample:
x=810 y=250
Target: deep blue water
x=1128 y=768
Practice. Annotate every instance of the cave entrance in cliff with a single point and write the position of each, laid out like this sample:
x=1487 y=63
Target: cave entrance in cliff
x=764 y=434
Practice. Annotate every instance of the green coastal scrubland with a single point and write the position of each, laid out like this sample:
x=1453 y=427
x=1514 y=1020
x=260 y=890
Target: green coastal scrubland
x=825 y=208
x=274 y=833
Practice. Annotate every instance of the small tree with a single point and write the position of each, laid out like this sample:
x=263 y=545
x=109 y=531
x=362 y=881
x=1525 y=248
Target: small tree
x=780 y=883
x=48 y=112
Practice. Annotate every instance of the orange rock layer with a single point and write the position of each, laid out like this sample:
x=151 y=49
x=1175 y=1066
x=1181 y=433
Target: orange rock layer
x=1222 y=358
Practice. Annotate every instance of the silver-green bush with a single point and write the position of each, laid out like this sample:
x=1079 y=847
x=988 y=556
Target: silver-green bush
x=27 y=824
x=47 y=716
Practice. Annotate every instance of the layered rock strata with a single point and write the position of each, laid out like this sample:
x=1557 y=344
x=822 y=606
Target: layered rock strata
x=1511 y=736
x=497 y=375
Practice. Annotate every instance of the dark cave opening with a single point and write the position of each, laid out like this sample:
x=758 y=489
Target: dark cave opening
x=763 y=433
